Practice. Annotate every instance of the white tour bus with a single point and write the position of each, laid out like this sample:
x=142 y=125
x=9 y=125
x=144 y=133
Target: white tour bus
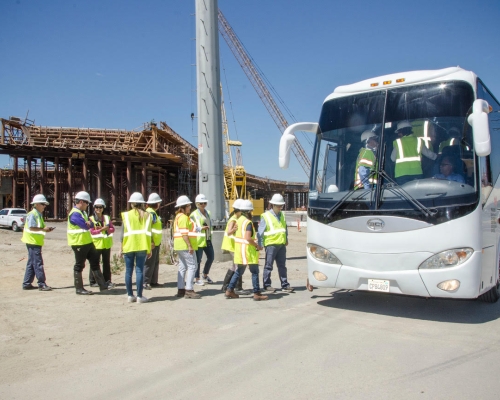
x=435 y=235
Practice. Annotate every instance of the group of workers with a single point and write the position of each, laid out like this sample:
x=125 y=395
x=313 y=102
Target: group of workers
x=408 y=149
x=91 y=239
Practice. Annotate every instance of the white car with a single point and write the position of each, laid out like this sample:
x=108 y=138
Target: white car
x=13 y=218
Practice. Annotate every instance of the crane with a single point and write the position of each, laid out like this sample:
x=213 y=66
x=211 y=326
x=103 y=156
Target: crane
x=258 y=83
x=235 y=177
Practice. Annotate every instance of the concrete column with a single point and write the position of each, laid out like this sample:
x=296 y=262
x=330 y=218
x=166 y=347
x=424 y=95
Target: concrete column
x=129 y=180
x=85 y=185
x=56 y=188
x=70 y=186
x=113 y=192
x=28 y=182
x=42 y=175
x=14 y=182
x=99 y=178
x=144 y=179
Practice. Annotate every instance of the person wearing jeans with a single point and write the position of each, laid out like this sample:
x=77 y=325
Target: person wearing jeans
x=136 y=245
x=203 y=222
x=185 y=244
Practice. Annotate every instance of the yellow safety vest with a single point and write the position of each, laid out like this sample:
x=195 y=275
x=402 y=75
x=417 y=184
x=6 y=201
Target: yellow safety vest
x=102 y=240
x=275 y=232
x=76 y=235
x=228 y=240
x=244 y=253
x=156 y=229
x=136 y=232
x=366 y=158
x=199 y=219
x=31 y=237
x=184 y=226
x=409 y=158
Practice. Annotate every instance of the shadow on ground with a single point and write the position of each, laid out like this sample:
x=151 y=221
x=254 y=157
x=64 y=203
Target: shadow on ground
x=431 y=309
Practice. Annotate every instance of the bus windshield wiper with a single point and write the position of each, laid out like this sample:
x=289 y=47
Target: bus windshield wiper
x=349 y=193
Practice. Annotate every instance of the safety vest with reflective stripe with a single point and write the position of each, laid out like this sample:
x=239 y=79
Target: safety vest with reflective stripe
x=183 y=226
x=228 y=240
x=366 y=158
x=76 y=235
x=156 y=229
x=102 y=240
x=200 y=220
x=275 y=232
x=136 y=232
x=409 y=156
x=32 y=237
x=244 y=252
x=421 y=130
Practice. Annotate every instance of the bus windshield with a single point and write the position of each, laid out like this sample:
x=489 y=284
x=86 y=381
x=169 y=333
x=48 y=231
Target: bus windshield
x=383 y=152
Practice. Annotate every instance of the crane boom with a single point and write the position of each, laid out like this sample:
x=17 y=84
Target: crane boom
x=260 y=87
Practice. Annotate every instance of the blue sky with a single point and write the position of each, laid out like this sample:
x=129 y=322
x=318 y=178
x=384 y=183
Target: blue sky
x=118 y=64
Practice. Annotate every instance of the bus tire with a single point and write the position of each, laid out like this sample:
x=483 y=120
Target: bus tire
x=492 y=295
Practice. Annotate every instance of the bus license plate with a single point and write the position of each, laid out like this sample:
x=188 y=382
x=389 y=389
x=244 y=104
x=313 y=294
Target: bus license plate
x=378 y=285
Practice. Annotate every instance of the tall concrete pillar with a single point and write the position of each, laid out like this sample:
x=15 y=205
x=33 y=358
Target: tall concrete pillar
x=14 y=182
x=210 y=153
x=56 y=188
x=114 y=191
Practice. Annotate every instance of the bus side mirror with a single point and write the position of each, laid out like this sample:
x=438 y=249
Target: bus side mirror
x=480 y=127
x=288 y=138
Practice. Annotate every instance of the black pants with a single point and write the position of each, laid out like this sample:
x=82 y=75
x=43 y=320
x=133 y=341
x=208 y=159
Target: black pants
x=83 y=253
x=105 y=255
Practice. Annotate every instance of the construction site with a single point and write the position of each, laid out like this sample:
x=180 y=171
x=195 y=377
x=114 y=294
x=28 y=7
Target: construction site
x=111 y=164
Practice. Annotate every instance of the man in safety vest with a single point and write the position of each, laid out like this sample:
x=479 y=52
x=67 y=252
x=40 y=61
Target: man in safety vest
x=80 y=240
x=203 y=221
x=366 y=162
x=407 y=154
x=152 y=265
x=34 y=235
x=273 y=235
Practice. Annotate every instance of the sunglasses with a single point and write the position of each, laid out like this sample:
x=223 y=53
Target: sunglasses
x=98 y=207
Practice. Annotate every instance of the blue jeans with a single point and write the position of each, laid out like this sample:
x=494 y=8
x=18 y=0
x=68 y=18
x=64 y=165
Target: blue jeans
x=139 y=257
x=276 y=252
x=34 y=266
x=209 y=252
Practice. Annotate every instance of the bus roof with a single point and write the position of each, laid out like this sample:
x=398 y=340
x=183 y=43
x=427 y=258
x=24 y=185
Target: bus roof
x=403 y=79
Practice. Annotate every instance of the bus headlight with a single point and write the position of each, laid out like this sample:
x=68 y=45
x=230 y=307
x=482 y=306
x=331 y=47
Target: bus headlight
x=447 y=259
x=322 y=254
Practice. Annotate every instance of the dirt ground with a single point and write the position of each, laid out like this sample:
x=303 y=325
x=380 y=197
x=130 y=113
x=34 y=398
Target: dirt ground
x=49 y=336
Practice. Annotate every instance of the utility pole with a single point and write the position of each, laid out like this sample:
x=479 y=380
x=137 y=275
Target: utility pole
x=210 y=154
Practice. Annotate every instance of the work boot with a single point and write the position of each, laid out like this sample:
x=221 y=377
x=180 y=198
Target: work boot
x=99 y=277
x=181 y=292
x=79 y=284
x=191 y=294
x=259 y=297
x=231 y=295
x=227 y=279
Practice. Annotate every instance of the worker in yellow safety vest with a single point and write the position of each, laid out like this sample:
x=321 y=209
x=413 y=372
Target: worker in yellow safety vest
x=34 y=236
x=407 y=154
x=102 y=236
x=153 y=263
x=136 y=245
x=246 y=252
x=273 y=235
x=80 y=240
x=185 y=245
x=366 y=164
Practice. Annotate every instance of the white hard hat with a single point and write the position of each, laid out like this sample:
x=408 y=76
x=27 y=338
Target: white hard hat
x=136 y=197
x=99 y=202
x=277 y=199
x=367 y=135
x=83 y=196
x=237 y=204
x=154 y=198
x=246 y=205
x=201 y=199
x=402 y=125
x=39 y=199
x=182 y=201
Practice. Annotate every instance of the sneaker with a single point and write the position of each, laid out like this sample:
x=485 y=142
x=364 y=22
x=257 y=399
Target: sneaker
x=208 y=280
x=147 y=286
x=132 y=299
x=199 y=282
x=110 y=284
x=288 y=289
x=142 y=299
x=29 y=287
x=191 y=294
x=44 y=288
x=95 y=284
x=269 y=289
